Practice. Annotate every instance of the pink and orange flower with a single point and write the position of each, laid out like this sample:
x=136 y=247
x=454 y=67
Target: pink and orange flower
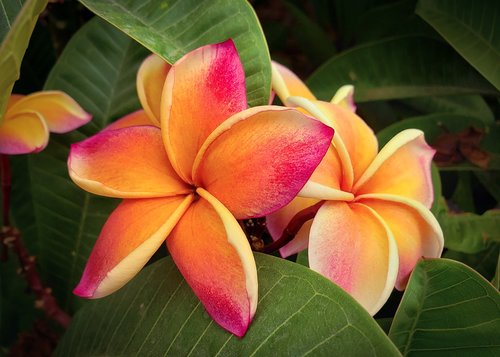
x=374 y=223
x=29 y=118
x=201 y=161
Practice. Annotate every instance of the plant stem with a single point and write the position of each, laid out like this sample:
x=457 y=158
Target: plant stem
x=10 y=237
x=292 y=228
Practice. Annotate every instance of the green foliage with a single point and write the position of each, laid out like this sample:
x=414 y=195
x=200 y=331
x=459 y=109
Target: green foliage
x=15 y=35
x=447 y=309
x=471 y=28
x=173 y=28
x=299 y=313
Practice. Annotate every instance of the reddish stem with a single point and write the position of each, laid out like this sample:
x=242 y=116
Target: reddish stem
x=10 y=237
x=293 y=228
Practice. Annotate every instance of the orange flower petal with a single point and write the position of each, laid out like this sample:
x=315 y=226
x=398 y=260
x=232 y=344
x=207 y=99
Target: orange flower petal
x=214 y=256
x=202 y=89
x=344 y=97
x=403 y=167
x=23 y=133
x=278 y=221
x=259 y=159
x=150 y=81
x=125 y=163
x=287 y=84
x=132 y=234
x=13 y=99
x=352 y=246
x=137 y=118
x=415 y=229
x=59 y=110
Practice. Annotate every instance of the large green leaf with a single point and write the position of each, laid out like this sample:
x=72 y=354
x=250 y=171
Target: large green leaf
x=447 y=309
x=471 y=28
x=98 y=69
x=15 y=42
x=484 y=262
x=171 y=28
x=299 y=313
x=400 y=67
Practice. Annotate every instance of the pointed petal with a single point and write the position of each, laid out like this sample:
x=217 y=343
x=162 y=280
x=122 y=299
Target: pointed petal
x=61 y=112
x=415 y=229
x=214 y=256
x=150 y=81
x=23 y=133
x=131 y=235
x=403 y=167
x=259 y=159
x=344 y=97
x=137 y=118
x=202 y=89
x=278 y=221
x=286 y=83
x=125 y=163
x=352 y=246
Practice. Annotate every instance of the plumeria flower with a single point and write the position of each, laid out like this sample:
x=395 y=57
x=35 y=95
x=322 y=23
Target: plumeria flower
x=29 y=118
x=212 y=162
x=373 y=223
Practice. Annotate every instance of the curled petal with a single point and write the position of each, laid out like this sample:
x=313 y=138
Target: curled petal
x=125 y=163
x=150 y=81
x=415 y=229
x=352 y=246
x=286 y=83
x=403 y=167
x=23 y=133
x=278 y=221
x=61 y=112
x=258 y=160
x=131 y=235
x=344 y=97
x=202 y=89
x=137 y=118
x=213 y=254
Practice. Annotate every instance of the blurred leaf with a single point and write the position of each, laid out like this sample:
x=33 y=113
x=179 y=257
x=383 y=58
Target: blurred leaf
x=436 y=184
x=98 y=69
x=463 y=196
x=400 y=67
x=464 y=105
x=469 y=232
x=447 y=309
x=299 y=313
x=387 y=19
x=496 y=278
x=8 y=15
x=173 y=28
x=14 y=43
x=471 y=28
x=491 y=182
x=484 y=262
x=311 y=38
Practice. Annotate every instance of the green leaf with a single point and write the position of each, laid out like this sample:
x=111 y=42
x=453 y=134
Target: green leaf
x=14 y=43
x=98 y=69
x=447 y=309
x=172 y=28
x=471 y=28
x=299 y=313
x=496 y=278
x=8 y=13
x=400 y=67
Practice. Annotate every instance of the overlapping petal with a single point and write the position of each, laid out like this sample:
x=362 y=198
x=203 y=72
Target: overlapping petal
x=415 y=229
x=258 y=160
x=23 y=133
x=131 y=235
x=150 y=81
x=96 y=164
x=61 y=112
x=344 y=97
x=402 y=167
x=213 y=254
x=137 y=118
x=286 y=84
x=352 y=246
x=202 y=89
